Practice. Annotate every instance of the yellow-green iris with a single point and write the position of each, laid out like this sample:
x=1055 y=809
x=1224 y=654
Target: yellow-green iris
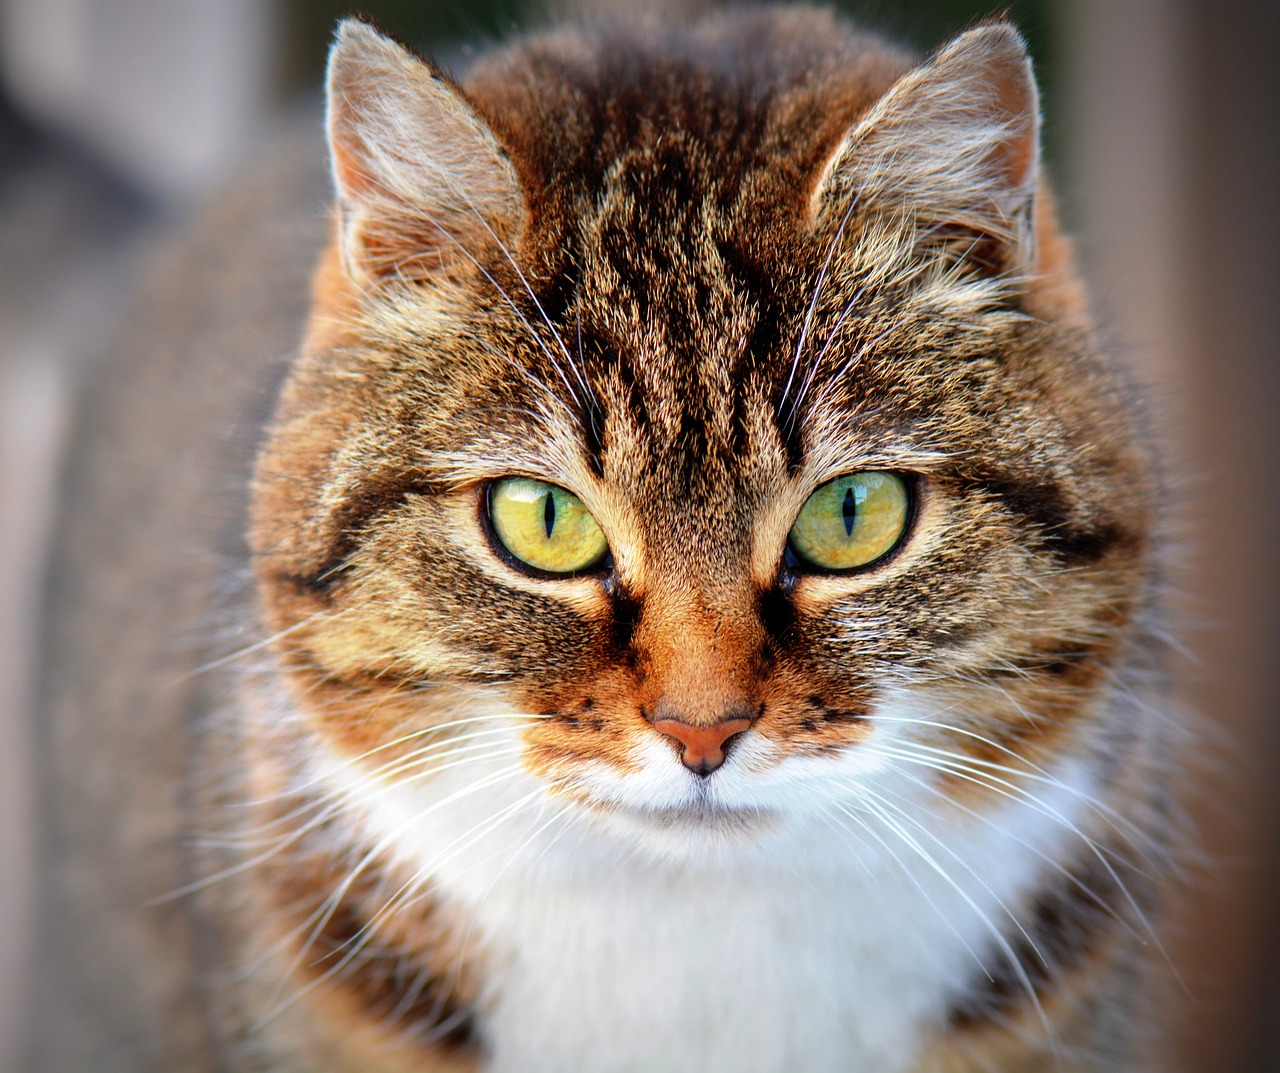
x=851 y=521
x=544 y=526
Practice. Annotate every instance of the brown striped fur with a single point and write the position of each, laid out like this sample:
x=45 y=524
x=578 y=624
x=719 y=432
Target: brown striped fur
x=690 y=274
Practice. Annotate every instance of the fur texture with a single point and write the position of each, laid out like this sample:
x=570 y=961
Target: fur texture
x=690 y=276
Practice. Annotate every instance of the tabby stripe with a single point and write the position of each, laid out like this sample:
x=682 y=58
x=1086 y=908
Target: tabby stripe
x=1072 y=922
x=593 y=423
x=349 y=522
x=394 y=977
x=1044 y=504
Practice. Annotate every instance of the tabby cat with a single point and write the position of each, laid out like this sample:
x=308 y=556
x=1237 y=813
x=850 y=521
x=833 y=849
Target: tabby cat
x=707 y=575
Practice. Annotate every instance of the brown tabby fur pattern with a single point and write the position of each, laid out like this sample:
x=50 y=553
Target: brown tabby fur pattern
x=690 y=274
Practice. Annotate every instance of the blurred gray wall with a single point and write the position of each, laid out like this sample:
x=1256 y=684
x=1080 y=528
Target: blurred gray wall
x=1175 y=123
x=167 y=93
x=113 y=113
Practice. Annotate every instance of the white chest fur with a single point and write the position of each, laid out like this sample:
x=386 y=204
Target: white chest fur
x=822 y=946
x=714 y=972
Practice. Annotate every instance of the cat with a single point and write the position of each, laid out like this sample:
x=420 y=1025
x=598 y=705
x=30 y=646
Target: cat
x=707 y=576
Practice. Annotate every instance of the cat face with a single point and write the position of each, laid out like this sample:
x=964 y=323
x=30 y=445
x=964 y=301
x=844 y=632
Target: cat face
x=591 y=395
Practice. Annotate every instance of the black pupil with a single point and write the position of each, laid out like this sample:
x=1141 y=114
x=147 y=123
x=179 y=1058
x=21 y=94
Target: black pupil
x=549 y=514
x=848 y=510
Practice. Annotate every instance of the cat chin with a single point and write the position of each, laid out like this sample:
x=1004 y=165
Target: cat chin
x=756 y=795
x=693 y=831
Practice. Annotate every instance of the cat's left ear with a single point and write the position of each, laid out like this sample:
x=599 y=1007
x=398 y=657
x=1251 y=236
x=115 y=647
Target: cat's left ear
x=422 y=181
x=954 y=147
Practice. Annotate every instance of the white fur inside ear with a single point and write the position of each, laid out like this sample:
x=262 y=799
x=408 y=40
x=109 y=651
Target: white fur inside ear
x=953 y=142
x=413 y=164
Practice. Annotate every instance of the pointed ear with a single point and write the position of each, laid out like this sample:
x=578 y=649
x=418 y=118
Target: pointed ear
x=954 y=146
x=421 y=180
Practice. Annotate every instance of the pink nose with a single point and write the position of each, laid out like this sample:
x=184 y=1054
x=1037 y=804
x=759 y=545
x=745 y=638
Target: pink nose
x=703 y=747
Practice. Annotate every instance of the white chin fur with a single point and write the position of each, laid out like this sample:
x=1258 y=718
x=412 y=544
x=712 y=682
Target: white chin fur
x=663 y=808
x=757 y=920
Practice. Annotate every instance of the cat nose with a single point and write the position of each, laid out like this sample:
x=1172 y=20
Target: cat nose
x=703 y=747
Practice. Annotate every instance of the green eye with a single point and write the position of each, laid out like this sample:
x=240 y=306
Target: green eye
x=851 y=521
x=544 y=526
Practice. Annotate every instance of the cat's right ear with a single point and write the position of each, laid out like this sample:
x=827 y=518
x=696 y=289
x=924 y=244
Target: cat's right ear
x=422 y=181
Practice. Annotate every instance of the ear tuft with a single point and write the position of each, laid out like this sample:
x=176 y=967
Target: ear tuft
x=421 y=179
x=954 y=143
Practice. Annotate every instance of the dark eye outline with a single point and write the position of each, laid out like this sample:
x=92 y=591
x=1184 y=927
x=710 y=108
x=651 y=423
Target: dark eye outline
x=797 y=565
x=602 y=567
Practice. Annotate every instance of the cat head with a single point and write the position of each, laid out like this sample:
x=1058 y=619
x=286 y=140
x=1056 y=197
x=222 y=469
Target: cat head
x=699 y=423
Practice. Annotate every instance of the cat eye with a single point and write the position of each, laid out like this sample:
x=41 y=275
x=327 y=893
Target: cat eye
x=544 y=527
x=852 y=521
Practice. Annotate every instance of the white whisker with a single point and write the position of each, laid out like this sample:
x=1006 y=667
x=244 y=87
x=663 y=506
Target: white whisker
x=878 y=808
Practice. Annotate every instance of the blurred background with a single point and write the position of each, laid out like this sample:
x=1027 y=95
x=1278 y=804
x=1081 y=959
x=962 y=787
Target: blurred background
x=119 y=117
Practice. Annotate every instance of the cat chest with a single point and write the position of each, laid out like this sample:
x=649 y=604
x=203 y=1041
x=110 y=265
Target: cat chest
x=852 y=964
x=670 y=978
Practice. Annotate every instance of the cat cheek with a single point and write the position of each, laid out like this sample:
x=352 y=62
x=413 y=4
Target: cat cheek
x=823 y=731
x=560 y=746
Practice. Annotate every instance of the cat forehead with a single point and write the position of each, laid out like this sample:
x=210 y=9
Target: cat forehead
x=659 y=141
x=667 y=287
x=673 y=233
x=776 y=86
x=683 y=315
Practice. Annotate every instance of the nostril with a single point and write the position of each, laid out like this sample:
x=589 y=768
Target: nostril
x=702 y=748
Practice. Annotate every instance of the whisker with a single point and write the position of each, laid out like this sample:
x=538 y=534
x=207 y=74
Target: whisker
x=1019 y=794
x=819 y=285
x=908 y=873
x=353 y=946
x=321 y=917
x=1006 y=948
x=1030 y=771
x=256 y=646
x=1048 y=859
x=906 y=817
x=331 y=804
x=462 y=842
x=565 y=810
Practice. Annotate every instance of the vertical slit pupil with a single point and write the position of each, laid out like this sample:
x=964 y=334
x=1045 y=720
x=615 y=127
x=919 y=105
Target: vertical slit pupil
x=549 y=514
x=848 y=511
